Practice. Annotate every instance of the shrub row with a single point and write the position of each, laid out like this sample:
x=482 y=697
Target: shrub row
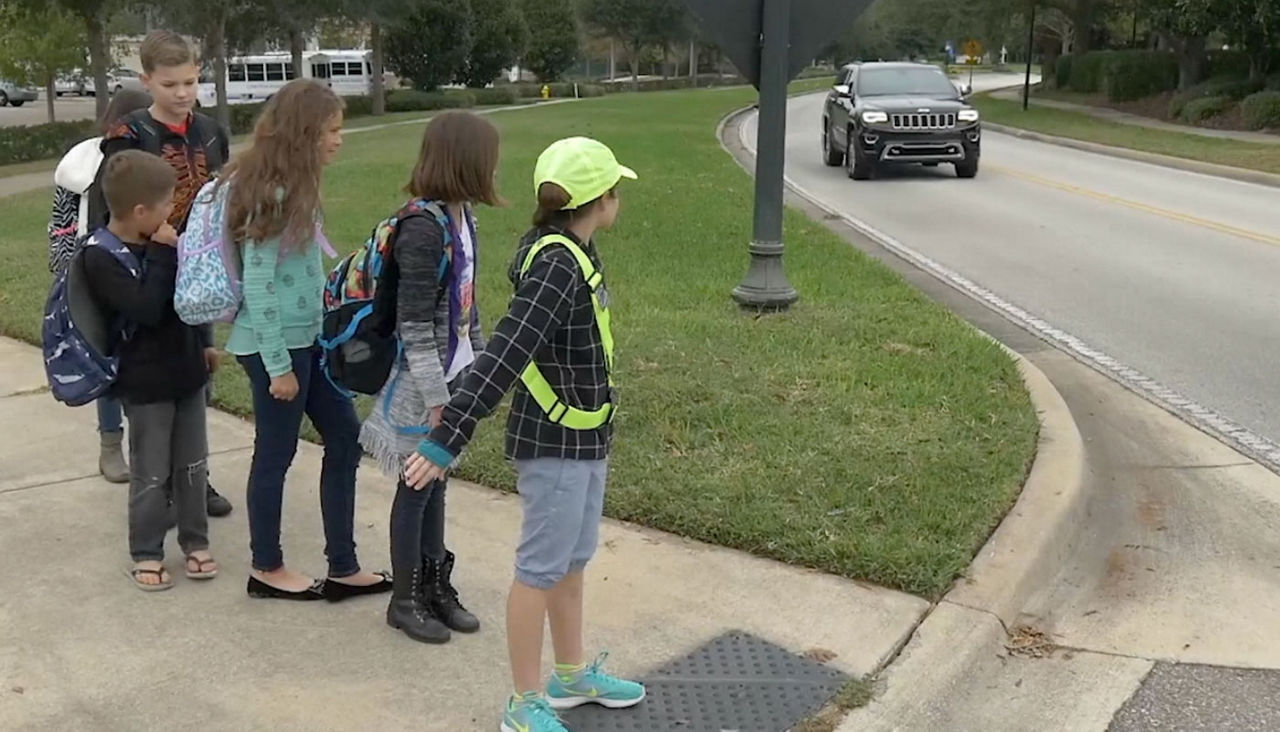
x=1121 y=75
x=1262 y=110
x=1234 y=88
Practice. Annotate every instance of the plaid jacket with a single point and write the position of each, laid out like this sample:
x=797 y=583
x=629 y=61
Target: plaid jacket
x=550 y=321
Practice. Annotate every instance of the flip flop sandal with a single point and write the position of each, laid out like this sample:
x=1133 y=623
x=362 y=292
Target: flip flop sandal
x=201 y=573
x=157 y=573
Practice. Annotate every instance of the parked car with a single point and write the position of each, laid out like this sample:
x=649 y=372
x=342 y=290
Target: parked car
x=72 y=83
x=117 y=79
x=12 y=94
x=882 y=114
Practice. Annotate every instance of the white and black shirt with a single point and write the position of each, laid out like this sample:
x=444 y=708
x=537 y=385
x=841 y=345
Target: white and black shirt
x=550 y=321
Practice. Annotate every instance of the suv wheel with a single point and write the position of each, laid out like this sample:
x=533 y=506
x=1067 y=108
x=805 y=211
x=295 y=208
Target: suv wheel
x=967 y=168
x=830 y=155
x=4 y=99
x=858 y=165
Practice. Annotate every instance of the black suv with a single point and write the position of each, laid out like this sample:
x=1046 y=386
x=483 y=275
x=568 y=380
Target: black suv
x=882 y=114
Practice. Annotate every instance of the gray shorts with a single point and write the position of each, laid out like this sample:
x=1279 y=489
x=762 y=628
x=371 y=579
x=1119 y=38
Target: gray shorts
x=563 y=502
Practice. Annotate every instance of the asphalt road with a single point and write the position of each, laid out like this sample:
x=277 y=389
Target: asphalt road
x=1168 y=273
x=37 y=113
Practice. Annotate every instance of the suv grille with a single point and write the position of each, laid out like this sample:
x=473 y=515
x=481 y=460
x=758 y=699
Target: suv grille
x=935 y=121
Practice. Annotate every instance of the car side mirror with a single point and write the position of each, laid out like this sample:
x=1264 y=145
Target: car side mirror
x=965 y=90
x=841 y=90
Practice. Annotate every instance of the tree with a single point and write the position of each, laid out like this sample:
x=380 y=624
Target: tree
x=93 y=14
x=294 y=20
x=500 y=35
x=377 y=15
x=432 y=44
x=37 y=45
x=1255 y=25
x=630 y=22
x=1185 y=25
x=1057 y=24
x=553 y=46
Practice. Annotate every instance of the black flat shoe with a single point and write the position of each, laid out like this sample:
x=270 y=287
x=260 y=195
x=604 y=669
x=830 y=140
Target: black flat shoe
x=260 y=590
x=335 y=591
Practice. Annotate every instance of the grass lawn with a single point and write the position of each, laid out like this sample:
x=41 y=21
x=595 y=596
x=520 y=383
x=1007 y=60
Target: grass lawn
x=1080 y=126
x=867 y=433
x=37 y=166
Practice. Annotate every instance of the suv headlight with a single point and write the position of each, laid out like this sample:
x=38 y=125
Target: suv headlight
x=968 y=115
x=873 y=118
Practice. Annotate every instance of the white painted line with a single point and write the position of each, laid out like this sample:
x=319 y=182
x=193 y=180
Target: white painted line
x=1241 y=438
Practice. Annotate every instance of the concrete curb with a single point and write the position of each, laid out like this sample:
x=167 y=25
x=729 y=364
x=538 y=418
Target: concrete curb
x=1032 y=542
x=1168 y=161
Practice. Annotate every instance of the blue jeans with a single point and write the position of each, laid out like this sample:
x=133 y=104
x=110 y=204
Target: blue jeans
x=110 y=414
x=276 y=427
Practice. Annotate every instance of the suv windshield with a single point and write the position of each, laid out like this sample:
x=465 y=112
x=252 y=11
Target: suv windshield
x=904 y=80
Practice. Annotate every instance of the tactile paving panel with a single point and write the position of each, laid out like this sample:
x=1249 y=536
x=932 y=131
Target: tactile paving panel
x=736 y=683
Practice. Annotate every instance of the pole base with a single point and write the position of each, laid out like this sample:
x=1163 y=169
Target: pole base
x=765 y=288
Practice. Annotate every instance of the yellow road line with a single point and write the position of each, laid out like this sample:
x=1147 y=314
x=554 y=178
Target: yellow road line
x=1154 y=210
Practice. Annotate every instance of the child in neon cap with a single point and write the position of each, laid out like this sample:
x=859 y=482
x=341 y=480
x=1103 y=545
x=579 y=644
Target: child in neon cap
x=555 y=347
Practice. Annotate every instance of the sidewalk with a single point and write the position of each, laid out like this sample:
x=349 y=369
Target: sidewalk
x=1115 y=115
x=80 y=648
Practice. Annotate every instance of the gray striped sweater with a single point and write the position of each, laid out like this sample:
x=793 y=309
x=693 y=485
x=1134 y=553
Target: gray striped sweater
x=422 y=318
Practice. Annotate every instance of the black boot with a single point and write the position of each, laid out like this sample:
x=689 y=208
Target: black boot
x=442 y=598
x=408 y=613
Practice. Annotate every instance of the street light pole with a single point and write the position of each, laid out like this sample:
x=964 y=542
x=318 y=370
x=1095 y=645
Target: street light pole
x=765 y=286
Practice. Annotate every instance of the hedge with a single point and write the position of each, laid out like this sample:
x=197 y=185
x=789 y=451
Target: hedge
x=1062 y=71
x=1088 y=71
x=1262 y=110
x=1199 y=110
x=41 y=142
x=1133 y=75
x=1221 y=62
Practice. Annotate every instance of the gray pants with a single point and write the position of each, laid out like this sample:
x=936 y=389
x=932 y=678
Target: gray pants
x=168 y=447
x=563 y=501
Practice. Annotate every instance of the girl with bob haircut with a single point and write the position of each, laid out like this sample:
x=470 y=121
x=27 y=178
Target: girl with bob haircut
x=433 y=271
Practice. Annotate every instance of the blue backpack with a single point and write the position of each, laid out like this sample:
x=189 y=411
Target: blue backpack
x=358 y=334
x=80 y=341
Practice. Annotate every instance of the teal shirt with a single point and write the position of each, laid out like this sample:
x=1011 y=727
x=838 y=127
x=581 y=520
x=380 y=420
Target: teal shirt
x=282 y=306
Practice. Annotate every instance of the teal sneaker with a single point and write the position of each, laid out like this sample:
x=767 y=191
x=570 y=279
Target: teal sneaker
x=532 y=715
x=593 y=686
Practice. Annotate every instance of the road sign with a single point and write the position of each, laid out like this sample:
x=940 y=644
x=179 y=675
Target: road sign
x=770 y=41
x=737 y=27
x=973 y=49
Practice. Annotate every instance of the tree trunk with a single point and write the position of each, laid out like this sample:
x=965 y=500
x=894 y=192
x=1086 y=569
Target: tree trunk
x=1191 y=59
x=693 y=63
x=1051 y=53
x=217 y=42
x=666 y=61
x=99 y=59
x=1083 y=23
x=296 y=47
x=613 y=62
x=379 y=92
x=633 y=56
x=1258 y=59
x=50 y=93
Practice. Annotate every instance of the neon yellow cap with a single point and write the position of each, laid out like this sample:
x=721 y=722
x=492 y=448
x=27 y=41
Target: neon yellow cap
x=586 y=169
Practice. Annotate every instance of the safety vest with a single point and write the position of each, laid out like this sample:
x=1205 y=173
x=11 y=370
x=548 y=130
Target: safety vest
x=539 y=388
